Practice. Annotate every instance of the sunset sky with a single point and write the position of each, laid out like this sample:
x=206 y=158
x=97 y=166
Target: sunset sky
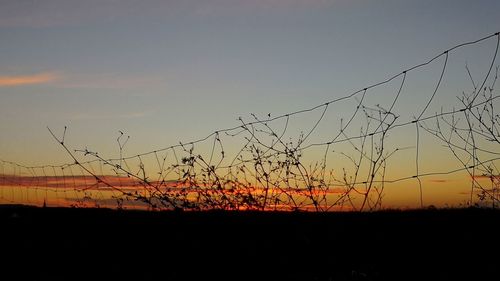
x=170 y=71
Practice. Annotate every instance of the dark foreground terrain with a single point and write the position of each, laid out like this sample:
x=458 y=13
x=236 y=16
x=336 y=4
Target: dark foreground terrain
x=91 y=244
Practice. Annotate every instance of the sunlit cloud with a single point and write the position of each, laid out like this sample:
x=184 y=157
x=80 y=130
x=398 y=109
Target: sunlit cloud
x=19 y=80
x=105 y=185
x=102 y=203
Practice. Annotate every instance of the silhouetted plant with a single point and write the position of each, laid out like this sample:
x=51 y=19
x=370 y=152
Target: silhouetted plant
x=269 y=167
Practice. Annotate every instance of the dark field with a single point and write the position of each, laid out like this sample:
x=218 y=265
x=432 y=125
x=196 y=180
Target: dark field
x=68 y=244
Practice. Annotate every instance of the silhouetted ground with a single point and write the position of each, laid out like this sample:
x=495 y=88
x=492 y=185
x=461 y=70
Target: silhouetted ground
x=68 y=244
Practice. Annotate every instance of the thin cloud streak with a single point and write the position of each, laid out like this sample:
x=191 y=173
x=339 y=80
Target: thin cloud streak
x=20 y=80
x=489 y=177
x=56 y=13
x=438 y=180
x=110 y=81
x=90 y=116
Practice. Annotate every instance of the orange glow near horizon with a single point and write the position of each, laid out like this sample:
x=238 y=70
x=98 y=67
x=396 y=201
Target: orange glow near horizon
x=86 y=191
x=40 y=78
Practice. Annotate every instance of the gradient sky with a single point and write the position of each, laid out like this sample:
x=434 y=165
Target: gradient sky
x=166 y=71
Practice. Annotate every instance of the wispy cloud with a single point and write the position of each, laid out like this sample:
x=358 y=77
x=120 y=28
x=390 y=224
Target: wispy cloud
x=54 y=13
x=438 y=180
x=213 y=8
x=90 y=116
x=79 y=182
x=488 y=177
x=105 y=198
x=19 y=80
x=110 y=81
x=479 y=191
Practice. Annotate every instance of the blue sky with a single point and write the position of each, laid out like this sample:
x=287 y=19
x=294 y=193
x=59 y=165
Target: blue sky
x=165 y=71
